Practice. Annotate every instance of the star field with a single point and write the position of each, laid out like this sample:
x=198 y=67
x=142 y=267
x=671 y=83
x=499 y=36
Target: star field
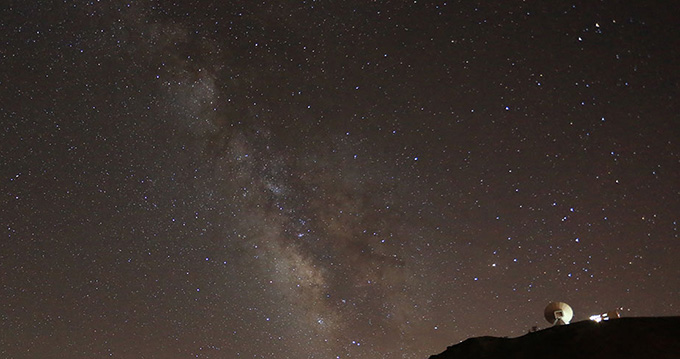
x=330 y=179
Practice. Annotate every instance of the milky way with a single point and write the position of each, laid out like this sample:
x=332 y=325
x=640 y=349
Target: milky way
x=330 y=179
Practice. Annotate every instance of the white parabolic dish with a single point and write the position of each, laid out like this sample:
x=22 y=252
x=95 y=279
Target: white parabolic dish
x=558 y=310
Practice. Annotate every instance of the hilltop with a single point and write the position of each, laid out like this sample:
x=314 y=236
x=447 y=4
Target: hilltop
x=649 y=337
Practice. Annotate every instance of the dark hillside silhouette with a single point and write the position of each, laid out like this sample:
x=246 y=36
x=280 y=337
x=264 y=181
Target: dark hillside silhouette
x=646 y=338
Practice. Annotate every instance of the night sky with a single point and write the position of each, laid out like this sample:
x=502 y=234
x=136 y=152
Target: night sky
x=331 y=179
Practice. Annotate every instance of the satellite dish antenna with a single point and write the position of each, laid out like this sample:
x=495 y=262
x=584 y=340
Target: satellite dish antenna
x=558 y=313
